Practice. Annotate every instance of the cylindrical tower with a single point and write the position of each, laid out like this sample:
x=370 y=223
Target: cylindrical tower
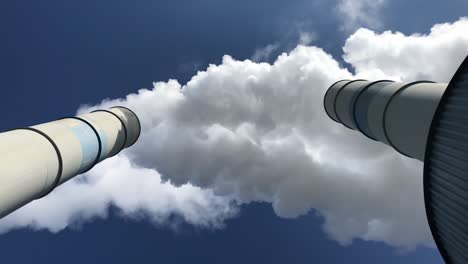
x=397 y=114
x=427 y=121
x=35 y=160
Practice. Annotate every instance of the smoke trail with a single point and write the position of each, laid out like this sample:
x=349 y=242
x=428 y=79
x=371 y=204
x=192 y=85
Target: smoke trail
x=258 y=132
x=244 y=132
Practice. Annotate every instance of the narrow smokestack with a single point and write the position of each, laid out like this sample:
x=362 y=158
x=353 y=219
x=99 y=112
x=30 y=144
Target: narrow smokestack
x=397 y=114
x=35 y=160
x=427 y=121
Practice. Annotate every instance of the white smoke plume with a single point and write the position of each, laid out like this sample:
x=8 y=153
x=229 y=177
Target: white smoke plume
x=243 y=132
x=135 y=191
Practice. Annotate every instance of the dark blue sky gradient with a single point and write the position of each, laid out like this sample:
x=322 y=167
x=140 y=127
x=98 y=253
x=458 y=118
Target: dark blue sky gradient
x=257 y=236
x=58 y=54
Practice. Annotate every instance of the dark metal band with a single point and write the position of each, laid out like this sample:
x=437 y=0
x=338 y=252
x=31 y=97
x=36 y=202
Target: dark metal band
x=97 y=137
x=384 y=118
x=137 y=119
x=326 y=95
x=355 y=103
x=59 y=158
x=336 y=97
x=123 y=126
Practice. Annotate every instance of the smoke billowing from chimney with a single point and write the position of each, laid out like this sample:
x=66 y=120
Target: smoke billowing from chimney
x=243 y=132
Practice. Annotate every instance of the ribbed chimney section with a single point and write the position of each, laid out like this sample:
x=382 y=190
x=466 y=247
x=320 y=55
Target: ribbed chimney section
x=395 y=113
x=427 y=121
x=35 y=160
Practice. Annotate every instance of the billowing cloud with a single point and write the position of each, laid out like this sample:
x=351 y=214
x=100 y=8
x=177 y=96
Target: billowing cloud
x=134 y=191
x=435 y=56
x=243 y=132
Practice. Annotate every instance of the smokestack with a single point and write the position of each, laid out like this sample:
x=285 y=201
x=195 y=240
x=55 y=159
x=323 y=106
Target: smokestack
x=427 y=121
x=397 y=114
x=35 y=160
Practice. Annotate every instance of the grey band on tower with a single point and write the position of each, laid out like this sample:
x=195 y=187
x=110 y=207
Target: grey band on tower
x=423 y=120
x=35 y=160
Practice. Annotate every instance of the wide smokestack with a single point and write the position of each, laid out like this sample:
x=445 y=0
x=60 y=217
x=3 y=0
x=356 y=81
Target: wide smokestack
x=423 y=120
x=35 y=160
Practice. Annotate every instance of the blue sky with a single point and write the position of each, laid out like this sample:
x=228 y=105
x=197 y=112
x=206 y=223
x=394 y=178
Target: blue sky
x=57 y=55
